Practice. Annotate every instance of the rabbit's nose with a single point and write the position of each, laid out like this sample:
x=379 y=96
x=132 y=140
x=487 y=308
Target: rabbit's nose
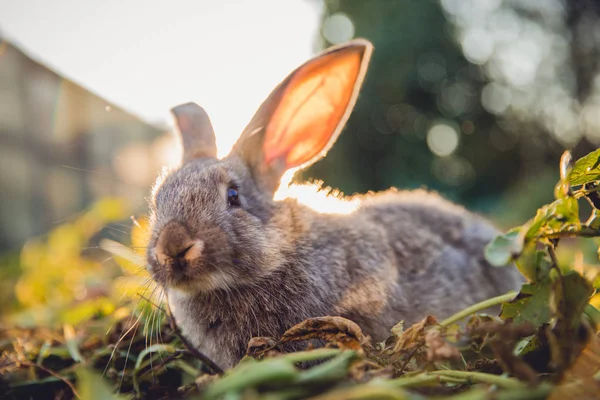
x=174 y=244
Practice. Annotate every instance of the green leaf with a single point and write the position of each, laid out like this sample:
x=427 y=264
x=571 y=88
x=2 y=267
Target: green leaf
x=332 y=370
x=562 y=215
x=270 y=371
x=91 y=386
x=561 y=190
x=533 y=263
x=72 y=343
x=530 y=305
x=596 y=283
x=586 y=169
x=155 y=348
x=527 y=345
x=593 y=314
x=310 y=355
x=86 y=310
x=504 y=248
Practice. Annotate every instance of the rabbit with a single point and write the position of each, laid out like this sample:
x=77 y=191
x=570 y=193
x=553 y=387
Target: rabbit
x=235 y=264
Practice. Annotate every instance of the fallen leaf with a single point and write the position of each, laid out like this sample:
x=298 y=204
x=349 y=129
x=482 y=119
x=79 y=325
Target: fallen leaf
x=414 y=337
x=259 y=346
x=579 y=382
x=398 y=329
x=337 y=330
x=438 y=349
x=570 y=295
x=503 y=338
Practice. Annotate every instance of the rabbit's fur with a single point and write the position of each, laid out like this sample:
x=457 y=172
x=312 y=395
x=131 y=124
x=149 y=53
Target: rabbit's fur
x=235 y=267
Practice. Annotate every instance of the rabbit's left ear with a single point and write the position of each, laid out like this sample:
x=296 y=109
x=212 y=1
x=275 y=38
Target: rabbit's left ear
x=303 y=116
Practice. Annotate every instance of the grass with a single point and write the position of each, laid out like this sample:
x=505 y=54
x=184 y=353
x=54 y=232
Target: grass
x=43 y=363
x=90 y=330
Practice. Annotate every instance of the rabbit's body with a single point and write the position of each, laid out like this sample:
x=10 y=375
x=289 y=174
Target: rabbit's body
x=236 y=264
x=401 y=255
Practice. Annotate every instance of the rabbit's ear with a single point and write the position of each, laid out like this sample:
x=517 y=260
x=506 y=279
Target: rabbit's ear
x=303 y=116
x=195 y=131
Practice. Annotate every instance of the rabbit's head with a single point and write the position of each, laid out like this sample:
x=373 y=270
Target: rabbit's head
x=214 y=222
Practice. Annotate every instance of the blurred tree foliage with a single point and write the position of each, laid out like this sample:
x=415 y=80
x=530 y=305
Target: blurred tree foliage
x=419 y=78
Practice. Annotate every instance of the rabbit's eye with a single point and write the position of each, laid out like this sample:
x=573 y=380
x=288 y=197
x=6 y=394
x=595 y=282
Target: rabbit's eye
x=233 y=197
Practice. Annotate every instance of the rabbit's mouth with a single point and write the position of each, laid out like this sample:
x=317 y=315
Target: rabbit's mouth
x=200 y=283
x=195 y=274
x=186 y=262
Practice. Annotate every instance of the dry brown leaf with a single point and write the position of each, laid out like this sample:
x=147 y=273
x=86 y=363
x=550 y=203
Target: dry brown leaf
x=414 y=337
x=364 y=370
x=258 y=346
x=502 y=340
x=398 y=329
x=438 y=349
x=337 y=330
x=578 y=382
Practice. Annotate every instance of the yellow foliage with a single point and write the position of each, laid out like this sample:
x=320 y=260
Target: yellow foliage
x=84 y=310
x=58 y=281
x=140 y=235
x=595 y=300
x=109 y=209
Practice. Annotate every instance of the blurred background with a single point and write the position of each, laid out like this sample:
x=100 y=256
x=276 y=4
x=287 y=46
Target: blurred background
x=476 y=99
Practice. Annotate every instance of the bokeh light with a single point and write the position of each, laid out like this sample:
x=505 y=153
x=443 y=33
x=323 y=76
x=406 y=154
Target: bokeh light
x=442 y=139
x=338 y=28
x=533 y=51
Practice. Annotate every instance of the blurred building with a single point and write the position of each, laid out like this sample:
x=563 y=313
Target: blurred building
x=61 y=147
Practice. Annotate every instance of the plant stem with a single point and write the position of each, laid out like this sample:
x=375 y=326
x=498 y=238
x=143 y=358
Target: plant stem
x=412 y=381
x=585 y=232
x=478 y=307
x=501 y=381
x=457 y=377
x=535 y=393
x=187 y=368
x=311 y=355
x=582 y=192
x=473 y=394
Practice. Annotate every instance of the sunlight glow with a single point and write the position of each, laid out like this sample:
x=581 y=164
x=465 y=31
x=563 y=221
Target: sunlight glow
x=148 y=56
x=314 y=196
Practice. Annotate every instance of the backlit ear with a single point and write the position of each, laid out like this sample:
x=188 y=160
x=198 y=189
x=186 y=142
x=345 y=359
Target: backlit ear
x=303 y=116
x=195 y=131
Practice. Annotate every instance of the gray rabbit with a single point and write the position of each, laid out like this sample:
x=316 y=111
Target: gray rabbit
x=236 y=264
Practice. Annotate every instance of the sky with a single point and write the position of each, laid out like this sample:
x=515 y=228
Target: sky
x=148 y=56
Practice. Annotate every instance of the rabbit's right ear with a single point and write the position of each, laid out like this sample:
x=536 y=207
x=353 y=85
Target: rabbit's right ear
x=195 y=131
x=302 y=117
